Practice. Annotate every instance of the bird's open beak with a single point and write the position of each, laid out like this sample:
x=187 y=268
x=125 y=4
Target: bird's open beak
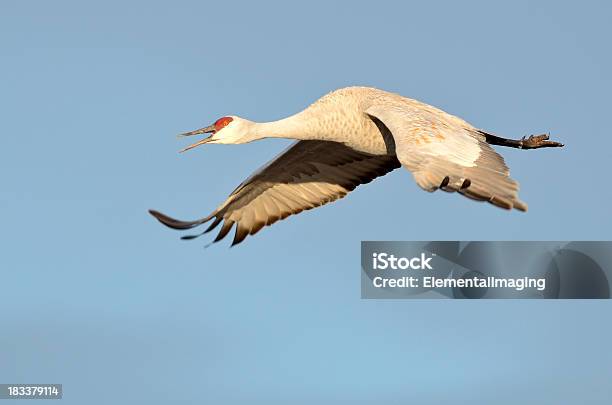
x=208 y=130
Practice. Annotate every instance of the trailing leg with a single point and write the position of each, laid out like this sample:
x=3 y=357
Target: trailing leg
x=532 y=142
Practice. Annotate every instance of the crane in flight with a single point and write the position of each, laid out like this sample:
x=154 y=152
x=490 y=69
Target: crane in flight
x=347 y=138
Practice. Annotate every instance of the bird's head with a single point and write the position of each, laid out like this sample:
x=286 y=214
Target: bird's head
x=226 y=130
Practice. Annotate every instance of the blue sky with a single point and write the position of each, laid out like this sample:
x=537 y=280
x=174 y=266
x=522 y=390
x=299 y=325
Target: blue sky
x=100 y=297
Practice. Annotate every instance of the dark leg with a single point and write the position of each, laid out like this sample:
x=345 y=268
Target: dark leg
x=533 y=142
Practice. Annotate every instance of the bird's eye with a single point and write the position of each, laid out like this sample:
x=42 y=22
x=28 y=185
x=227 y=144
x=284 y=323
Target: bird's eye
x=222 y=123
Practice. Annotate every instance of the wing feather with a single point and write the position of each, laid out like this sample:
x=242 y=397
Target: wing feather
x=307 y=175
x=445 y=152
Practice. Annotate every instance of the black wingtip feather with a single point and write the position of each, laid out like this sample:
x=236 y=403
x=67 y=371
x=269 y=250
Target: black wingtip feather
x=227 y=225
x=190 y=237
x=175 y=223
x=240 y=234
x=214 y=224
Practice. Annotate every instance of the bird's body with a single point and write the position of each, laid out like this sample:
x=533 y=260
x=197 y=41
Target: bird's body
x=348 y=137
x=341 y=116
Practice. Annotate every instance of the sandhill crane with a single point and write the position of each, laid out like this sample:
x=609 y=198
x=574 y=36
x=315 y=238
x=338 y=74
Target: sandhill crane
x=347 y=138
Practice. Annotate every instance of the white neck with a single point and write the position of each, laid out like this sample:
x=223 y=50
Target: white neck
x=300 y=126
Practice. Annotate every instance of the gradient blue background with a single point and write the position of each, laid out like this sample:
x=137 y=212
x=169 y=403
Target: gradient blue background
x=98 y=296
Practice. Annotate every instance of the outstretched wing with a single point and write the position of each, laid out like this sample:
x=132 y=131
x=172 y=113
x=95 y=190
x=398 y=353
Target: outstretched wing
x=307 y=175
x=444 y=152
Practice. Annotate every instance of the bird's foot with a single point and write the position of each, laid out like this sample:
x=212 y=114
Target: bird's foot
x=538 y=141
